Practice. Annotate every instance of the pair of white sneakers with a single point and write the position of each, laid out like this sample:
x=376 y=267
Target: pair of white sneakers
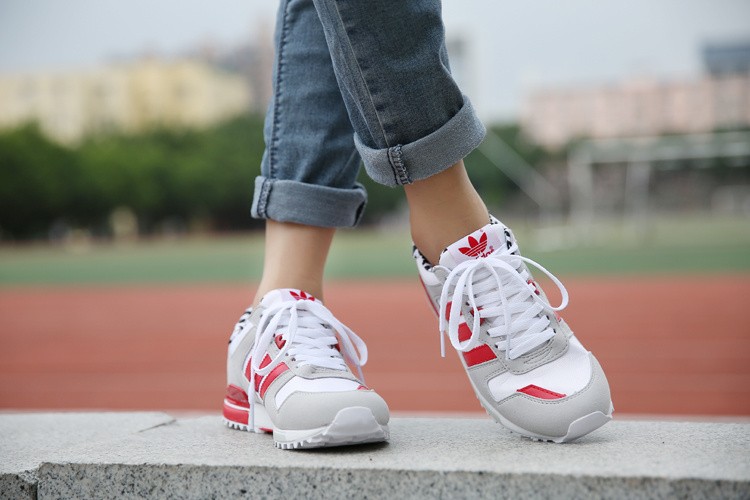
x=289 y=366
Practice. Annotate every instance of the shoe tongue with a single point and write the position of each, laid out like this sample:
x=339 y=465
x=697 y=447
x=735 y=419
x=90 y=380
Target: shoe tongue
x=285 y=295
x=478 y=244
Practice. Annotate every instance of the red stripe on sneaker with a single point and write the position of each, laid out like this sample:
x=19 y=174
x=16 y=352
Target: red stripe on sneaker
x=464 y=332
x=266 y=361
x=476 y=356
x=235 y=415
x=268 y=379
x=237 y=396
x=479 y=355
x=258 y=378
x=447 y=311
x=540 y=392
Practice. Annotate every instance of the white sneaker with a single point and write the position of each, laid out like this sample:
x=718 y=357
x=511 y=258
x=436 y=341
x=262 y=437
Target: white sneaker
x=294 y=353
x=528 y=370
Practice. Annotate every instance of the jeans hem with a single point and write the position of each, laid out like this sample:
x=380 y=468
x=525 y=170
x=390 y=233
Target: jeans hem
x=406 y=163
x=308 y=204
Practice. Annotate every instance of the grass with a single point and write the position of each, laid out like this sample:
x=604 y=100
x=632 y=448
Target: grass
x=675 y=246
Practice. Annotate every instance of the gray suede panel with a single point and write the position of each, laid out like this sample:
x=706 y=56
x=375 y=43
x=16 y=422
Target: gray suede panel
x=481 y=374
x=269 y=397
x=435 y=290
x=311 y=372
x=547 y=352
x=236 y=361
x=552 y=417
x=307 y=410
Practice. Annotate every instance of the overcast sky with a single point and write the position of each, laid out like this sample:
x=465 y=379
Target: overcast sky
x=511 y=45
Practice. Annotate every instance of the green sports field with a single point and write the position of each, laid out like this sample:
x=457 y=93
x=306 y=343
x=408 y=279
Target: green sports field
x=674 y=246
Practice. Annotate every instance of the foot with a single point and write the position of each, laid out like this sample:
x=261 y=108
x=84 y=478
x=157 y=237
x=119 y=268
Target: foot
x=293 y=352
x=528 y=370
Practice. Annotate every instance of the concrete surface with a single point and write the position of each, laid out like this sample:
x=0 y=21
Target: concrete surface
x=426 y=458
x=28 y=439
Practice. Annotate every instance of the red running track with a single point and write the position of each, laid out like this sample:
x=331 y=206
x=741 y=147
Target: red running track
x=669 y=345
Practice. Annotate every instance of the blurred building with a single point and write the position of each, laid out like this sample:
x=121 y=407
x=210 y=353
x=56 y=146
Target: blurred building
x=127 y=97
x=719 y=99
x=727 y=59
x=462 y=65
x=253 y=60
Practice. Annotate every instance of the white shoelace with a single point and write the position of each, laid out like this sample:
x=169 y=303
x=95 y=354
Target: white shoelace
x=310 y=338
x=502 y=293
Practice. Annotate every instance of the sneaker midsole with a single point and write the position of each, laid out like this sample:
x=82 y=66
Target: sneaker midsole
x=241 y=415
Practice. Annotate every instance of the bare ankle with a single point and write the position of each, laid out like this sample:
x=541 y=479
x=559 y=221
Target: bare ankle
x=295 y=257
x=311 y=287
x=444 y=208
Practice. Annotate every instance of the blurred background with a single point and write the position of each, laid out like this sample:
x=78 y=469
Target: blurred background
x=618 y=149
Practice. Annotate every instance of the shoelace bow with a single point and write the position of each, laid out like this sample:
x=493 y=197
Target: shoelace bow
x=500 y=292
x=310 y=337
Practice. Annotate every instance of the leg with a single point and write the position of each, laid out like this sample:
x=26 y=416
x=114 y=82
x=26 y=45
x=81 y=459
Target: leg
x=285 y=266
x=289 y=359
x=412 y=125
x=442 y=209
x=308 y=176
x=413 y=128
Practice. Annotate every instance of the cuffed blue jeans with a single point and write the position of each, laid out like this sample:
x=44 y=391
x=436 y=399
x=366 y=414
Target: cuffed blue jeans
x=357 y=80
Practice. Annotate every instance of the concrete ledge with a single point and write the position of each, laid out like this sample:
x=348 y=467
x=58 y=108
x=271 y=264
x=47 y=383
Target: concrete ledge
x=28 y=439
x=426 y=458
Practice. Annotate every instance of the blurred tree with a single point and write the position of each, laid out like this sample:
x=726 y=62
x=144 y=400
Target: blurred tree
x=490 y=181
x=182 y=178
x=381 y=200
x=494 y=186
x=232 y=156
x=179 y=175
x=38 y=179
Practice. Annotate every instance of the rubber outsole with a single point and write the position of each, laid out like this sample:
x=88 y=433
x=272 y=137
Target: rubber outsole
x=578 y=428
x=350 y=426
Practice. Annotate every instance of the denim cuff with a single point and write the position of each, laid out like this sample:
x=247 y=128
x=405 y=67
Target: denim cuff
x=406 y=163
x=309 y=204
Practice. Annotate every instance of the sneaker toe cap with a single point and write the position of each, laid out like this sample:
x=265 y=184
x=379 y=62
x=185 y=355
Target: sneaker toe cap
x=306 y=410
x=553 y=417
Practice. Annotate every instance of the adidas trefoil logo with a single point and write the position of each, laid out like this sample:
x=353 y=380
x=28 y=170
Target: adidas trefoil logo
x=301 y=295
x=477 y=248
